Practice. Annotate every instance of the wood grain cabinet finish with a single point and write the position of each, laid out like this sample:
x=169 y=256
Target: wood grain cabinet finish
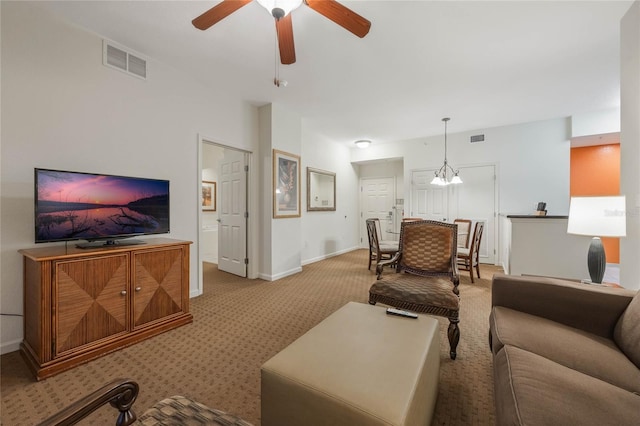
x=80 y=304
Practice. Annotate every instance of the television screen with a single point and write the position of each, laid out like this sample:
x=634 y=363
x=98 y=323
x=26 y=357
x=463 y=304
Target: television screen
x=88 y=206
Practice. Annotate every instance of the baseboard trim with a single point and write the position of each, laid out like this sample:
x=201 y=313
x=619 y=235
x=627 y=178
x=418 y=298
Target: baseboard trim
x=328 y=256
x=11 y=346
x=276 y=277
x=280 y=275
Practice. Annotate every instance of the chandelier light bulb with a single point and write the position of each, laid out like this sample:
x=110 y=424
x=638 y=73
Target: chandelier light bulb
x=441 y=177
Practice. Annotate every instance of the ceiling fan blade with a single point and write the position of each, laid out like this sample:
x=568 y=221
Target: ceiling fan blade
x=218 y=13
x=341 y=15
x=284 y=28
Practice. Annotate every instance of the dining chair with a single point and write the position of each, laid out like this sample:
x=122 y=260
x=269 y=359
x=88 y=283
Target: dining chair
x=469 y=258
x=426 y=277
x=464 y=231
x=381 y=234
x=377 y=250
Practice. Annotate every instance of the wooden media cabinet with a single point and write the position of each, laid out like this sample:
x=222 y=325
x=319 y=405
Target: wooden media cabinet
x=80 y=304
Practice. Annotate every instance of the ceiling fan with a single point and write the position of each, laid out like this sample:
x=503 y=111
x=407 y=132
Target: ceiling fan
x=280 y=9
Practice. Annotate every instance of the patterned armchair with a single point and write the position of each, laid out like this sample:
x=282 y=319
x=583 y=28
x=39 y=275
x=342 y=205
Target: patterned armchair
x=122 y=393
x=426 y=276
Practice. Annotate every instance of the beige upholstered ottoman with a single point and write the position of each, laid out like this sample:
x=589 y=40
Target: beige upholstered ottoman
x=359 y=366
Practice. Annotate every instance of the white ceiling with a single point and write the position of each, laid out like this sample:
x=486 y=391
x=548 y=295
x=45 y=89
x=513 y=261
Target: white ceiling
x=482 y=63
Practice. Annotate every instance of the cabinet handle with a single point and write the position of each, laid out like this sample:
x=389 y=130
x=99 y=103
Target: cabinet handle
x=138 y=288
x=123 y=292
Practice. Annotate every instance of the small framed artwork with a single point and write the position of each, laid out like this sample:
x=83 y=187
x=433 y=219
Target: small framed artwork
x=208 y=196
x=286 y=185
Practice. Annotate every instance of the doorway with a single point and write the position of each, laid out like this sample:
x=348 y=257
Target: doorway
x=377 y=200
x=223 y=215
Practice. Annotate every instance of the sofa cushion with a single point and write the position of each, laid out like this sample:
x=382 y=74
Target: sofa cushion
x=573 y=348
x=592 y=308
x=533 y=390
x=627 y=332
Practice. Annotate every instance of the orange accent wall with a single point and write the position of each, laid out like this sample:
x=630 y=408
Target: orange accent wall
x=595 y=170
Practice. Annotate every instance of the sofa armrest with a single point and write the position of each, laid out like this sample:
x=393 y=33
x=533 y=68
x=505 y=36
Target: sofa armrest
x=591 y=308
x=120 y=393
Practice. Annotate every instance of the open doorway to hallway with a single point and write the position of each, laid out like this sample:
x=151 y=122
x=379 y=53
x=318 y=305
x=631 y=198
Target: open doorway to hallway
x=223 y=216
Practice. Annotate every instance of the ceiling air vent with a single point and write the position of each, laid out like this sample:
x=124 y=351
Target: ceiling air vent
x=477 y=138
x=124 y=60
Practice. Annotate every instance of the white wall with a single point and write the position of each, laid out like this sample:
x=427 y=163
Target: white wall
x=595 y=123
x=532 y=162
x=325 y=234
x=286 y=234
x=280 y=129
x=62 y=109
x=532 y=158
x=265 y=201
x=630 y=145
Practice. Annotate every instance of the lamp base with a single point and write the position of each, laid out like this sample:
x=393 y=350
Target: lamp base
x=596 y=260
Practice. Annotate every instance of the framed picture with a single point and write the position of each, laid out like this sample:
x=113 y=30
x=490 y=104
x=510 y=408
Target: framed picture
x=286 y=185
x=208 y=196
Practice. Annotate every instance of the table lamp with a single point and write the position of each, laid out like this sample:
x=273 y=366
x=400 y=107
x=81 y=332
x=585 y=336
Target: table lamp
x=597 y=217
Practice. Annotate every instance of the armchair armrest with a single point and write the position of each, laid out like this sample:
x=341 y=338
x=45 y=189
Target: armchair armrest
x=120 y=393
x=380 y=266
x=587 y=307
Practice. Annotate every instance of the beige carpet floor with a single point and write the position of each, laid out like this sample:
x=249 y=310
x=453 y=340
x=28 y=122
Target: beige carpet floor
x=238 y=325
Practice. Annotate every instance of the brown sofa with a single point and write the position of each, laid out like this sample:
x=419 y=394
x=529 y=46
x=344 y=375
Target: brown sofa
x=564 y=353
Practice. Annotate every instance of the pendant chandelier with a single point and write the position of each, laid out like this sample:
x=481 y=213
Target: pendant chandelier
x=446 y=175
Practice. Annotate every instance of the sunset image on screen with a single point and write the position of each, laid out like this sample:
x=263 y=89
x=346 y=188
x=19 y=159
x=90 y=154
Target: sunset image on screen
x=72 y=205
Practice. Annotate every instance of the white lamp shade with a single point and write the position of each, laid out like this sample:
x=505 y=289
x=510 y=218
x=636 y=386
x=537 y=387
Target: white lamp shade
x=286 y=5
x=364 y=143
x=437 y=180
x=598 y=216
x=456 y=179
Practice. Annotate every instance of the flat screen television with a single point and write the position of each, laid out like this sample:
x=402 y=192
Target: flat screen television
x=98 y=208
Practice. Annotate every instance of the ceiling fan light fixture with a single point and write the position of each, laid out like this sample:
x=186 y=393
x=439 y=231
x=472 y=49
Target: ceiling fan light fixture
x=280 y=8
x=363 y=143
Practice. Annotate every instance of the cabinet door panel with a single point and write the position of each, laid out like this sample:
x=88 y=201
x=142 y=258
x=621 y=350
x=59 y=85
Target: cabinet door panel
x=89 y=304
x=158 y=288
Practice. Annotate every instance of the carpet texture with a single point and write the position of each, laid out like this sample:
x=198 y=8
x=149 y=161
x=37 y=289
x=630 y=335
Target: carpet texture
x=238 y=325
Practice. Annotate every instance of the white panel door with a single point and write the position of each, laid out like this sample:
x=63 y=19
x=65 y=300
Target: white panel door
x=427 y=201
x=475 y=199
x=377 y=201
x=232 y=227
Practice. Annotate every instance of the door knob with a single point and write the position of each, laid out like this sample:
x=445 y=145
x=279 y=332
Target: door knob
x=138 y=288
x=123 y=292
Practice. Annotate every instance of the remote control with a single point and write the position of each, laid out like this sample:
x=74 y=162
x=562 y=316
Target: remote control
x=400 y=312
